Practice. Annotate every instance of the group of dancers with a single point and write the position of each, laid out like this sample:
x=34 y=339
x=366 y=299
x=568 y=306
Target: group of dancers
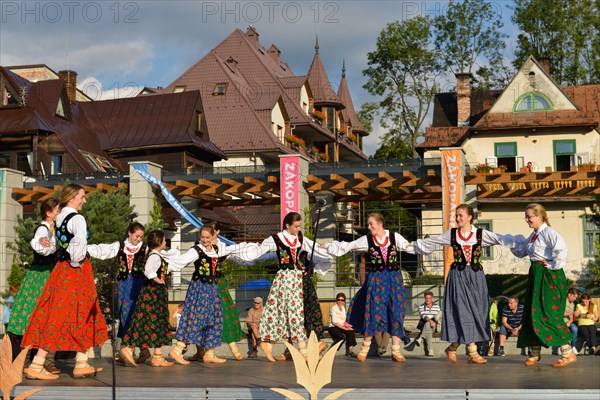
x=57 y=305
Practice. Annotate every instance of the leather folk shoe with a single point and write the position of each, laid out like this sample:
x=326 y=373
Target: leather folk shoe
x=451 y=355
x=126 y=355
x=144 y=356
x=476 y=359
x=267 y=348
x=210 y=357
x=159 y=361
x=564 y=361
x=84 y=370
x=176 y=356
x=51 y=367
x=531 y=361
x=37 y=371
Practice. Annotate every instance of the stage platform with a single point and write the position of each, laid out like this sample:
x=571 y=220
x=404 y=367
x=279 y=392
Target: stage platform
x=377 y=378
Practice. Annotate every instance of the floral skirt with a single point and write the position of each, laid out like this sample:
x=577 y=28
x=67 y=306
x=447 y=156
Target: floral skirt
x=128 y=291
x=313 y=317
x=232 y=330
x=379 y=306
x=201 y=320
x=150 y=319
x=67 y=315
x=283 y=312
x=29 y=293
x=545 y=302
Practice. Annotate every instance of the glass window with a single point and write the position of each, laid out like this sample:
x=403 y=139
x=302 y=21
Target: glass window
x=24 y=160
x=179 y=89
x=505 y=149
x=5 y=160
x=564 y=147
x=220 y=88
x=533 y=101
x=57 y=161
x=591 y=236
x=487 y=252
x=564 y=154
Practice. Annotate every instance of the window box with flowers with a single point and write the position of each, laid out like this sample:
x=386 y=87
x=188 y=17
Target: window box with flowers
x=591 y=166
x=314 y=150
x=295 y=140
x=342 y=131
x=484 y=168
x=324 y=157
x=353 y=137
x=318 y=115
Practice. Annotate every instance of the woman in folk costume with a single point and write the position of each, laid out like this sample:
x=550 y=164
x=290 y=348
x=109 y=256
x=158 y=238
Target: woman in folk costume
x=283 y=313
x=384 y=288
x=545 y=298
x=232 y=330
x=44 y=259
x=67 y=315
x=465 y=317
x=131 y=257
x=202 y=317
x=313 y=316
x=150 y=319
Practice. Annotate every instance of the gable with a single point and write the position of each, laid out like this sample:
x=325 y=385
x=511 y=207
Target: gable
x=532 y=79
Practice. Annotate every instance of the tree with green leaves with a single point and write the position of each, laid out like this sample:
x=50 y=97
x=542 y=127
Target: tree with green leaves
x=566 y=32
x=469 y=35
x=403 y=70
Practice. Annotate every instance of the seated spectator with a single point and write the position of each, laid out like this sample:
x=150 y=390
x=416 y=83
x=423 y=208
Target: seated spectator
x=588 y=316
x=569 y=318
x=339 y=329
x=253 y=323
x=512 y=316
x=429 y=314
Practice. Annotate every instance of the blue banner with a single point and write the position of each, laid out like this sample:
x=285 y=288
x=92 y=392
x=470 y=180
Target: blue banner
x=142 y=169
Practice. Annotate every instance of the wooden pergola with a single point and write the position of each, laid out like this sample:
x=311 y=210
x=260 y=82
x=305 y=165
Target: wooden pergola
x=406 y=187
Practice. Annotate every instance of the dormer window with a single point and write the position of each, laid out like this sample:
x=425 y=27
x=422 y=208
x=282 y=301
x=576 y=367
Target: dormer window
x=534 y=101
x=179 y=89
x=220 y=89
x=60 y=108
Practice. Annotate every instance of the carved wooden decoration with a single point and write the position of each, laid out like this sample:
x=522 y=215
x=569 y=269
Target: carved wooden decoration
x=11 y=373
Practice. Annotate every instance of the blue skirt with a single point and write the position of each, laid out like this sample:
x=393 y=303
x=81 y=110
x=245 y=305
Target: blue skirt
x=128 y=292
x=379 y=306
x=201 y=320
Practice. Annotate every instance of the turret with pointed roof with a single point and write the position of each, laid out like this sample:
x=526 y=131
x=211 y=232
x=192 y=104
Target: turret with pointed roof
x=349 y=114
x=324 y=95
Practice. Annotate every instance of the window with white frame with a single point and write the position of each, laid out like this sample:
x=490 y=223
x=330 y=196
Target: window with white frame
x=487 y=251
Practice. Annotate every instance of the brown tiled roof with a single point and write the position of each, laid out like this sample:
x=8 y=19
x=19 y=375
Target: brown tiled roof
x=323 y=93
x=558 y=118
x=349 y=113
x=447 y=136
x=144 y=121
x=445 y=112
x=39 y=114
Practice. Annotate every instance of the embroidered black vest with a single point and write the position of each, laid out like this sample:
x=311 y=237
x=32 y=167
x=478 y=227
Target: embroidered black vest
x=63 y=238
x=460 y=261
x=137 y=269
x=39 y=259
x=284 y=253
x=375 y=261
x=206 y=268
x=160 y=274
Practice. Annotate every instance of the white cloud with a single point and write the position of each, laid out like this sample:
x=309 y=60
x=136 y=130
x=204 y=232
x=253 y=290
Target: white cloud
x=93 y=88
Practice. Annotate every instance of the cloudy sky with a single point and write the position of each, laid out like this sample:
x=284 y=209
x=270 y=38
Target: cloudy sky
x=114 y=45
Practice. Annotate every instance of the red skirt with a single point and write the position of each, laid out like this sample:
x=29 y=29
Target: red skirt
x=67 y=315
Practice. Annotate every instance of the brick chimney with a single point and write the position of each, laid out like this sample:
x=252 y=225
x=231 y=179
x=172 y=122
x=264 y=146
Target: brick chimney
x=70 y=78
x=252 y=35
x=545 y=64
x=275 y=53
x=463 y=98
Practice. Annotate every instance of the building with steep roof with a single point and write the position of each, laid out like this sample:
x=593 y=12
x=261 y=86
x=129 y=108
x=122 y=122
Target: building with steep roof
x=534 y=141
x=256 y=108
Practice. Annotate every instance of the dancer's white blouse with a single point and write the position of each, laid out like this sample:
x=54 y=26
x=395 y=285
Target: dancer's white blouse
x=43 y=234
x=547 y=245
x=361 y=244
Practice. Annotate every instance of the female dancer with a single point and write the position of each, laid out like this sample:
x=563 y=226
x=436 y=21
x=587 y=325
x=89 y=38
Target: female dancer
x=588 y=316
x=466 y=317
x=67 y=315
x=384 y=290
x=283 y=315
x=131 y=256
x=44 y=259
x=150 y=320
x=232 y=331
x=545 y=298
x=202 y=318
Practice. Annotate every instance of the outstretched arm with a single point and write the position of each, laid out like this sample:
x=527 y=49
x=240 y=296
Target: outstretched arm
x=338 y=249
x=428 y=245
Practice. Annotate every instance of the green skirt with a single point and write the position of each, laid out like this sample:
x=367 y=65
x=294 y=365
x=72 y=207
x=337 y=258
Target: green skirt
x=545 y=301
x=232 y=331
x=29 y=293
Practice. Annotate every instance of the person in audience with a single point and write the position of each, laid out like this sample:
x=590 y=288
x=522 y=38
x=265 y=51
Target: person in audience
x=253 y=324
x=512 y=316
x=339 y=329
x=588 y=316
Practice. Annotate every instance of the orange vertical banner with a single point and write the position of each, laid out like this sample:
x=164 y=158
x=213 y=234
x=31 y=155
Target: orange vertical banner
x=453 y=192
